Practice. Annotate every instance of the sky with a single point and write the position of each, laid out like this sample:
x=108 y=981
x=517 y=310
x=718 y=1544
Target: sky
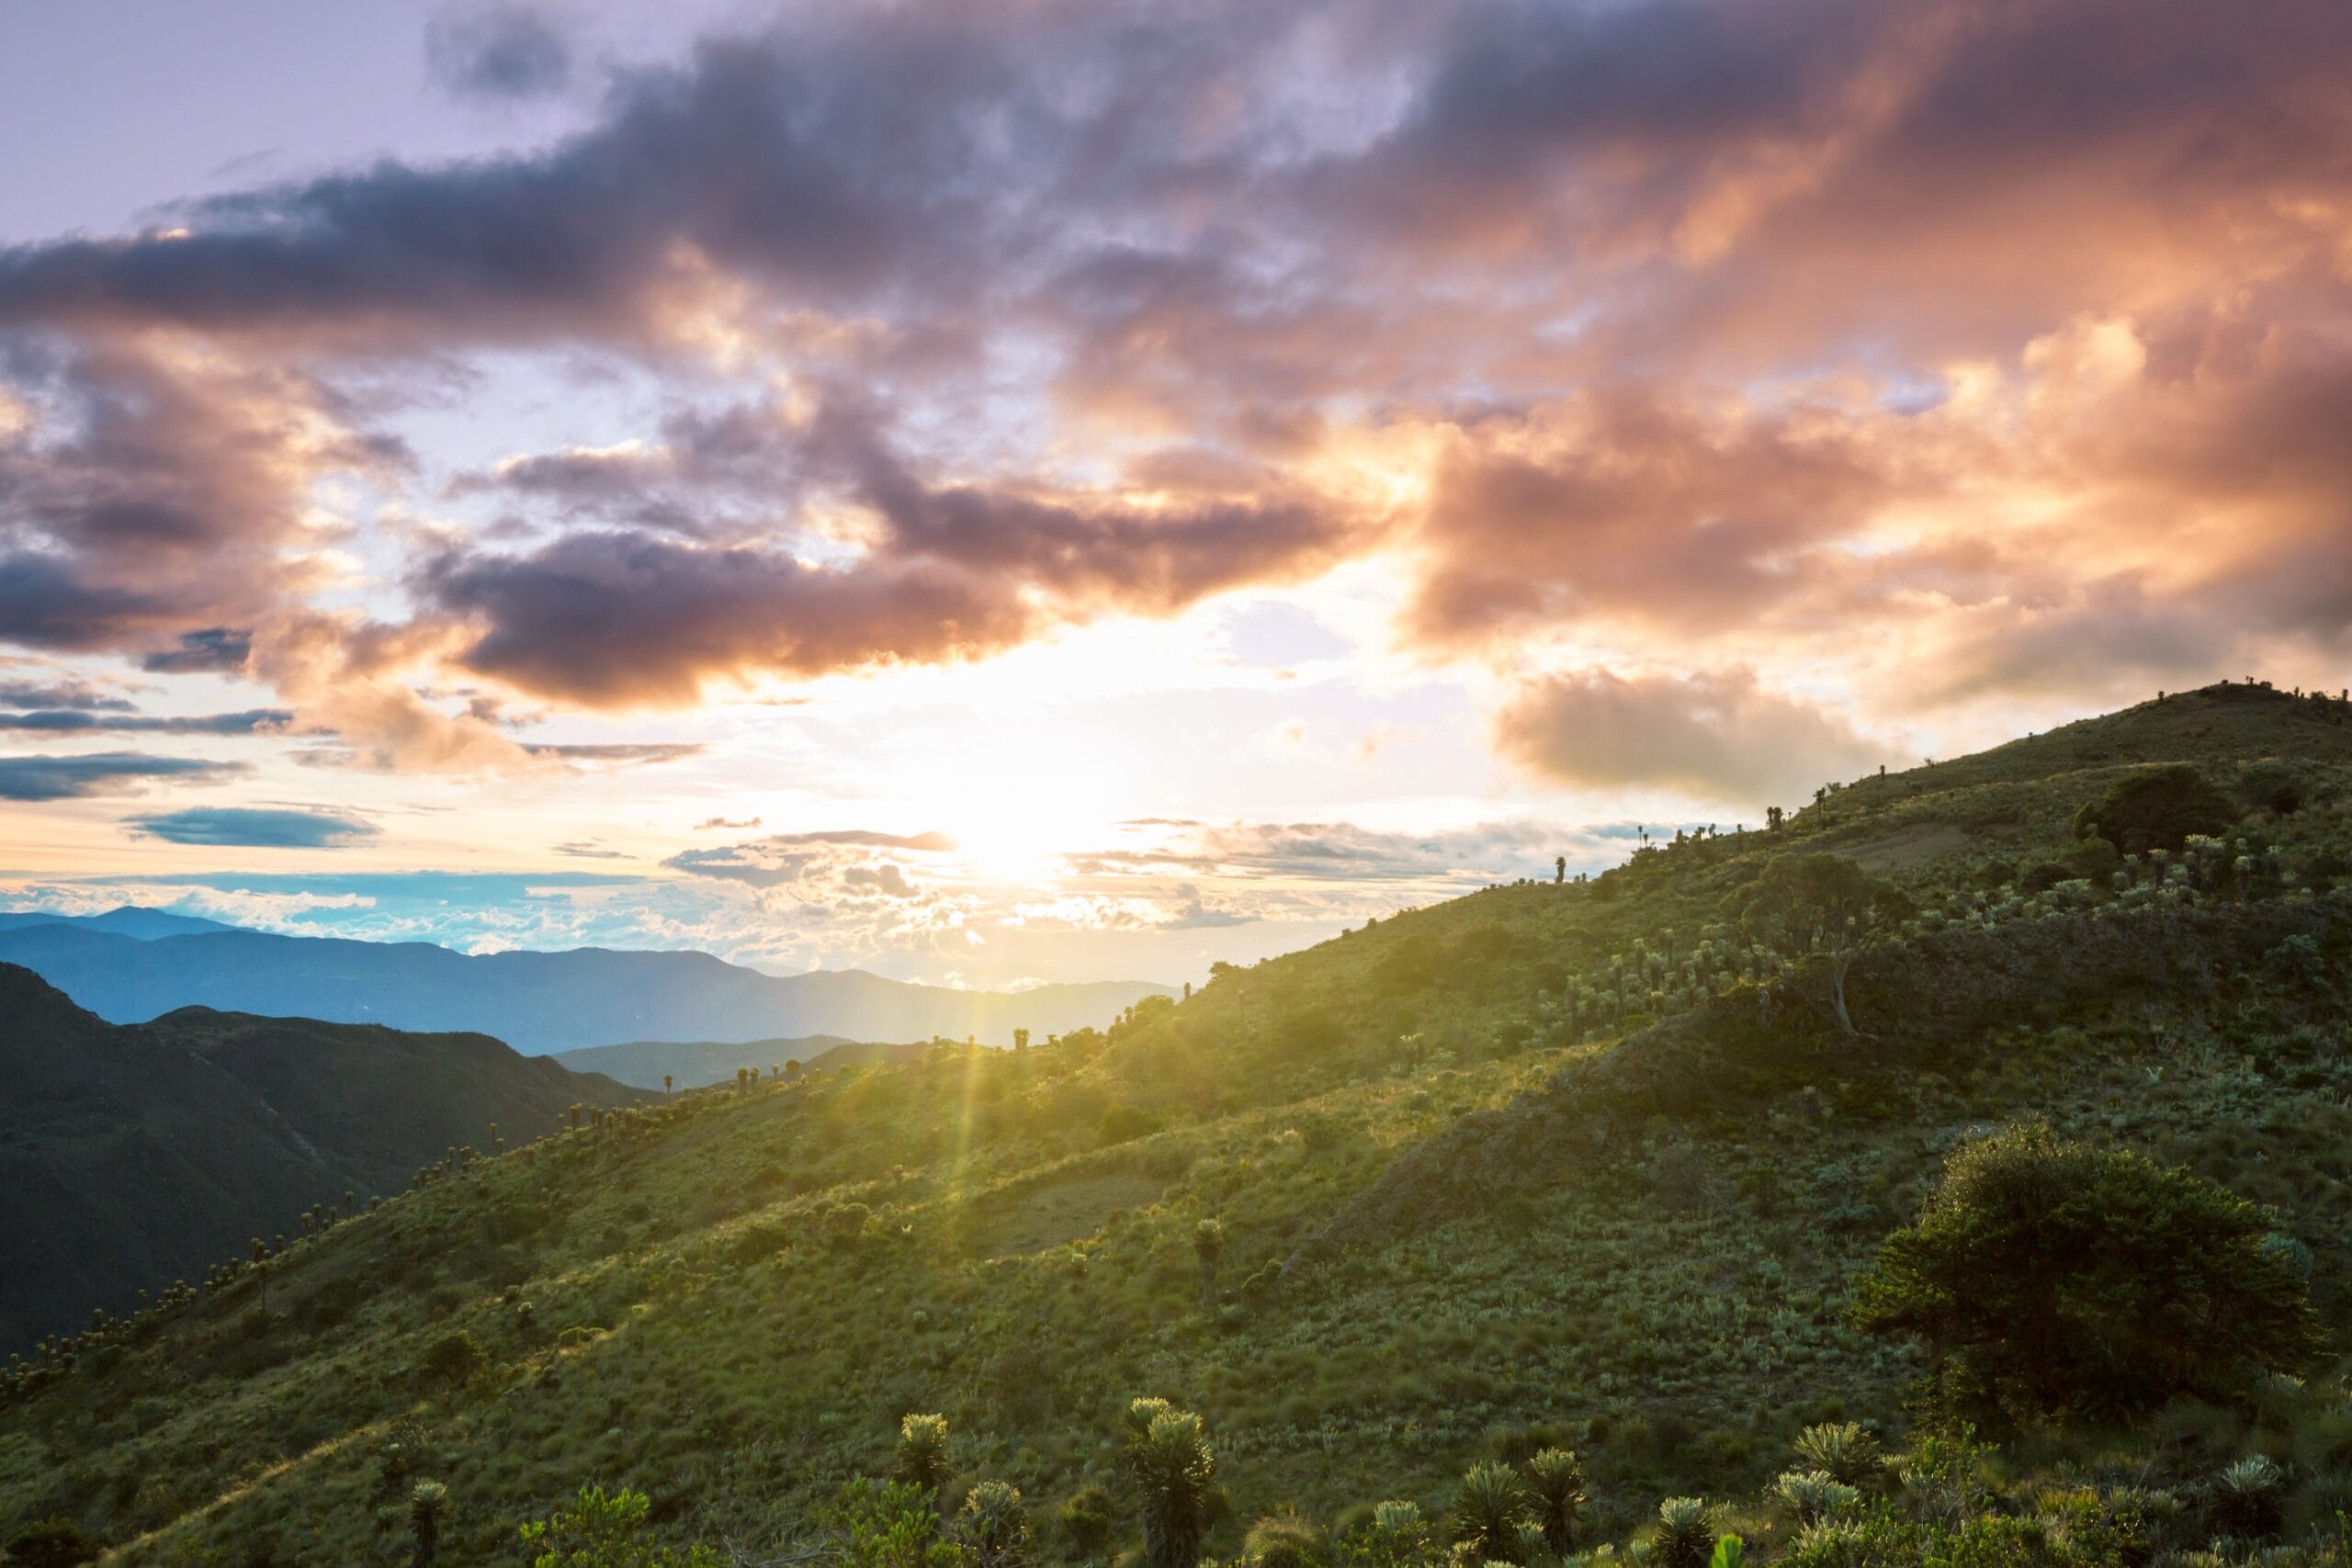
x=1020 y=490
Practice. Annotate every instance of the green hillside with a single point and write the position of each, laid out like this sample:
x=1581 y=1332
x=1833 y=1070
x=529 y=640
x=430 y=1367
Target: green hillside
x=1590 y=1166
x=133 y=1156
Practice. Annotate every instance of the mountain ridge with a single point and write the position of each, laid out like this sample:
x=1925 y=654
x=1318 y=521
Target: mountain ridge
x=537 y=1002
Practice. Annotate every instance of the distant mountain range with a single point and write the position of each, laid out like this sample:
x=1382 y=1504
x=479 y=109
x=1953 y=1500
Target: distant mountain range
x=133 y=1156
x=689 y=1064
x=131 y=965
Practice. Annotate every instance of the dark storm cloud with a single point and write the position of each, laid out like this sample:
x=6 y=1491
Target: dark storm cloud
x=233 y=827
x=101 y=772
x=497 y=52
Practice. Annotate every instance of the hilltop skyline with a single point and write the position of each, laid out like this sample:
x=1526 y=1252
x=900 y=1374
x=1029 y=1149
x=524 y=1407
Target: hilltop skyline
x=1044 y=492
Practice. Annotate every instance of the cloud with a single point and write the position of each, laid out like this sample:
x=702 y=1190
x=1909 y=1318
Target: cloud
x=1719 y=735
x=710 y=822
x=884 y=879
x=101 y=772
x=497 y=52
x=590 y=850
x=239 y=827
x=621 y=754
x=84 y=721
x=788 y=858
x=1895 y=339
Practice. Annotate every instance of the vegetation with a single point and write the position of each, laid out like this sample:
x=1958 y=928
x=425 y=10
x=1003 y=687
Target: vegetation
x=2049 y=1277
x=1575 y=1187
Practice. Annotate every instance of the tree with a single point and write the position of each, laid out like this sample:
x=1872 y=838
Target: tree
x=1556 y=1481
x=2156 y=808
x=427 y=1501
x=2053 y=1278
x=1560 y=868
x=1208 y=1246
x=665 y=1086
x=1169 y=1461
x=1021 y=1040
x=1821 y=907
x=922 y=1452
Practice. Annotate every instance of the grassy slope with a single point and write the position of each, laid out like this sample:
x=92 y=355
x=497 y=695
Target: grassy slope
x=729 y=1305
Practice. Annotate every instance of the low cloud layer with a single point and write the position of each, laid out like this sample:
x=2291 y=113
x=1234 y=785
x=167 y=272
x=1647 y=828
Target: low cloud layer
x=232 y=826
x=1717 y=736
x=102 y=772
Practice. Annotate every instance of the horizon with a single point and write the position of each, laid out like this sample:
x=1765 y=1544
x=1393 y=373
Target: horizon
x=1023 y=494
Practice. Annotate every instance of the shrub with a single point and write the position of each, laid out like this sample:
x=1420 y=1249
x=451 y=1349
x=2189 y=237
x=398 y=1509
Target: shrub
x=54 y=1543
x=1169 y=1459
x=993 y=1527
x=1085 y=1519
x=2062 y=1278
x=1283 y=1541
x=2249 y=1499
x=1842 y=1450
x=1686 y=1533
x=922 y=1459
x=1556 y=1483
x=1812 y=1495
x=2269 y=786
x=427 y=1504
x=2156 y=808
x=454 y=1360
x=605 y=1529
x=1487 y=1507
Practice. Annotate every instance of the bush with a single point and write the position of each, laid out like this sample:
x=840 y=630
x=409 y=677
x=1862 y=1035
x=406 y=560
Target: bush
x=922 y=1459
x=1556 y=1481
x=993 y=1527
x=2060 y=1279
x=1487 y=1508
x=55 y=1542
x=1085 y=1520
x=1283 y=1541
x=2269 y=786
x=605 y=1529
x=1686 y=1533
x=2249 y=1499
x=1844 y=1451
x=1812 y=1495
x=454 y=1360
x=2156 y=808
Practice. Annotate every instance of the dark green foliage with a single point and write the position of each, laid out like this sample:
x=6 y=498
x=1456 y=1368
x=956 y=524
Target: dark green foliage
x=603 y=1529
x=1817 y=907
x=993 y=1527
x=1686 y=1533
x=922 y=1460
x=454 y=1360
x=428 y=1502
x=1284 y=1541
x=52 y=1543
x=1085 y=1520
x=2055 y=1278
x=1555 y=1483
x=2156 y=808
x=1169 y=1462
x=1488 y=1508
x=2271 y=786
